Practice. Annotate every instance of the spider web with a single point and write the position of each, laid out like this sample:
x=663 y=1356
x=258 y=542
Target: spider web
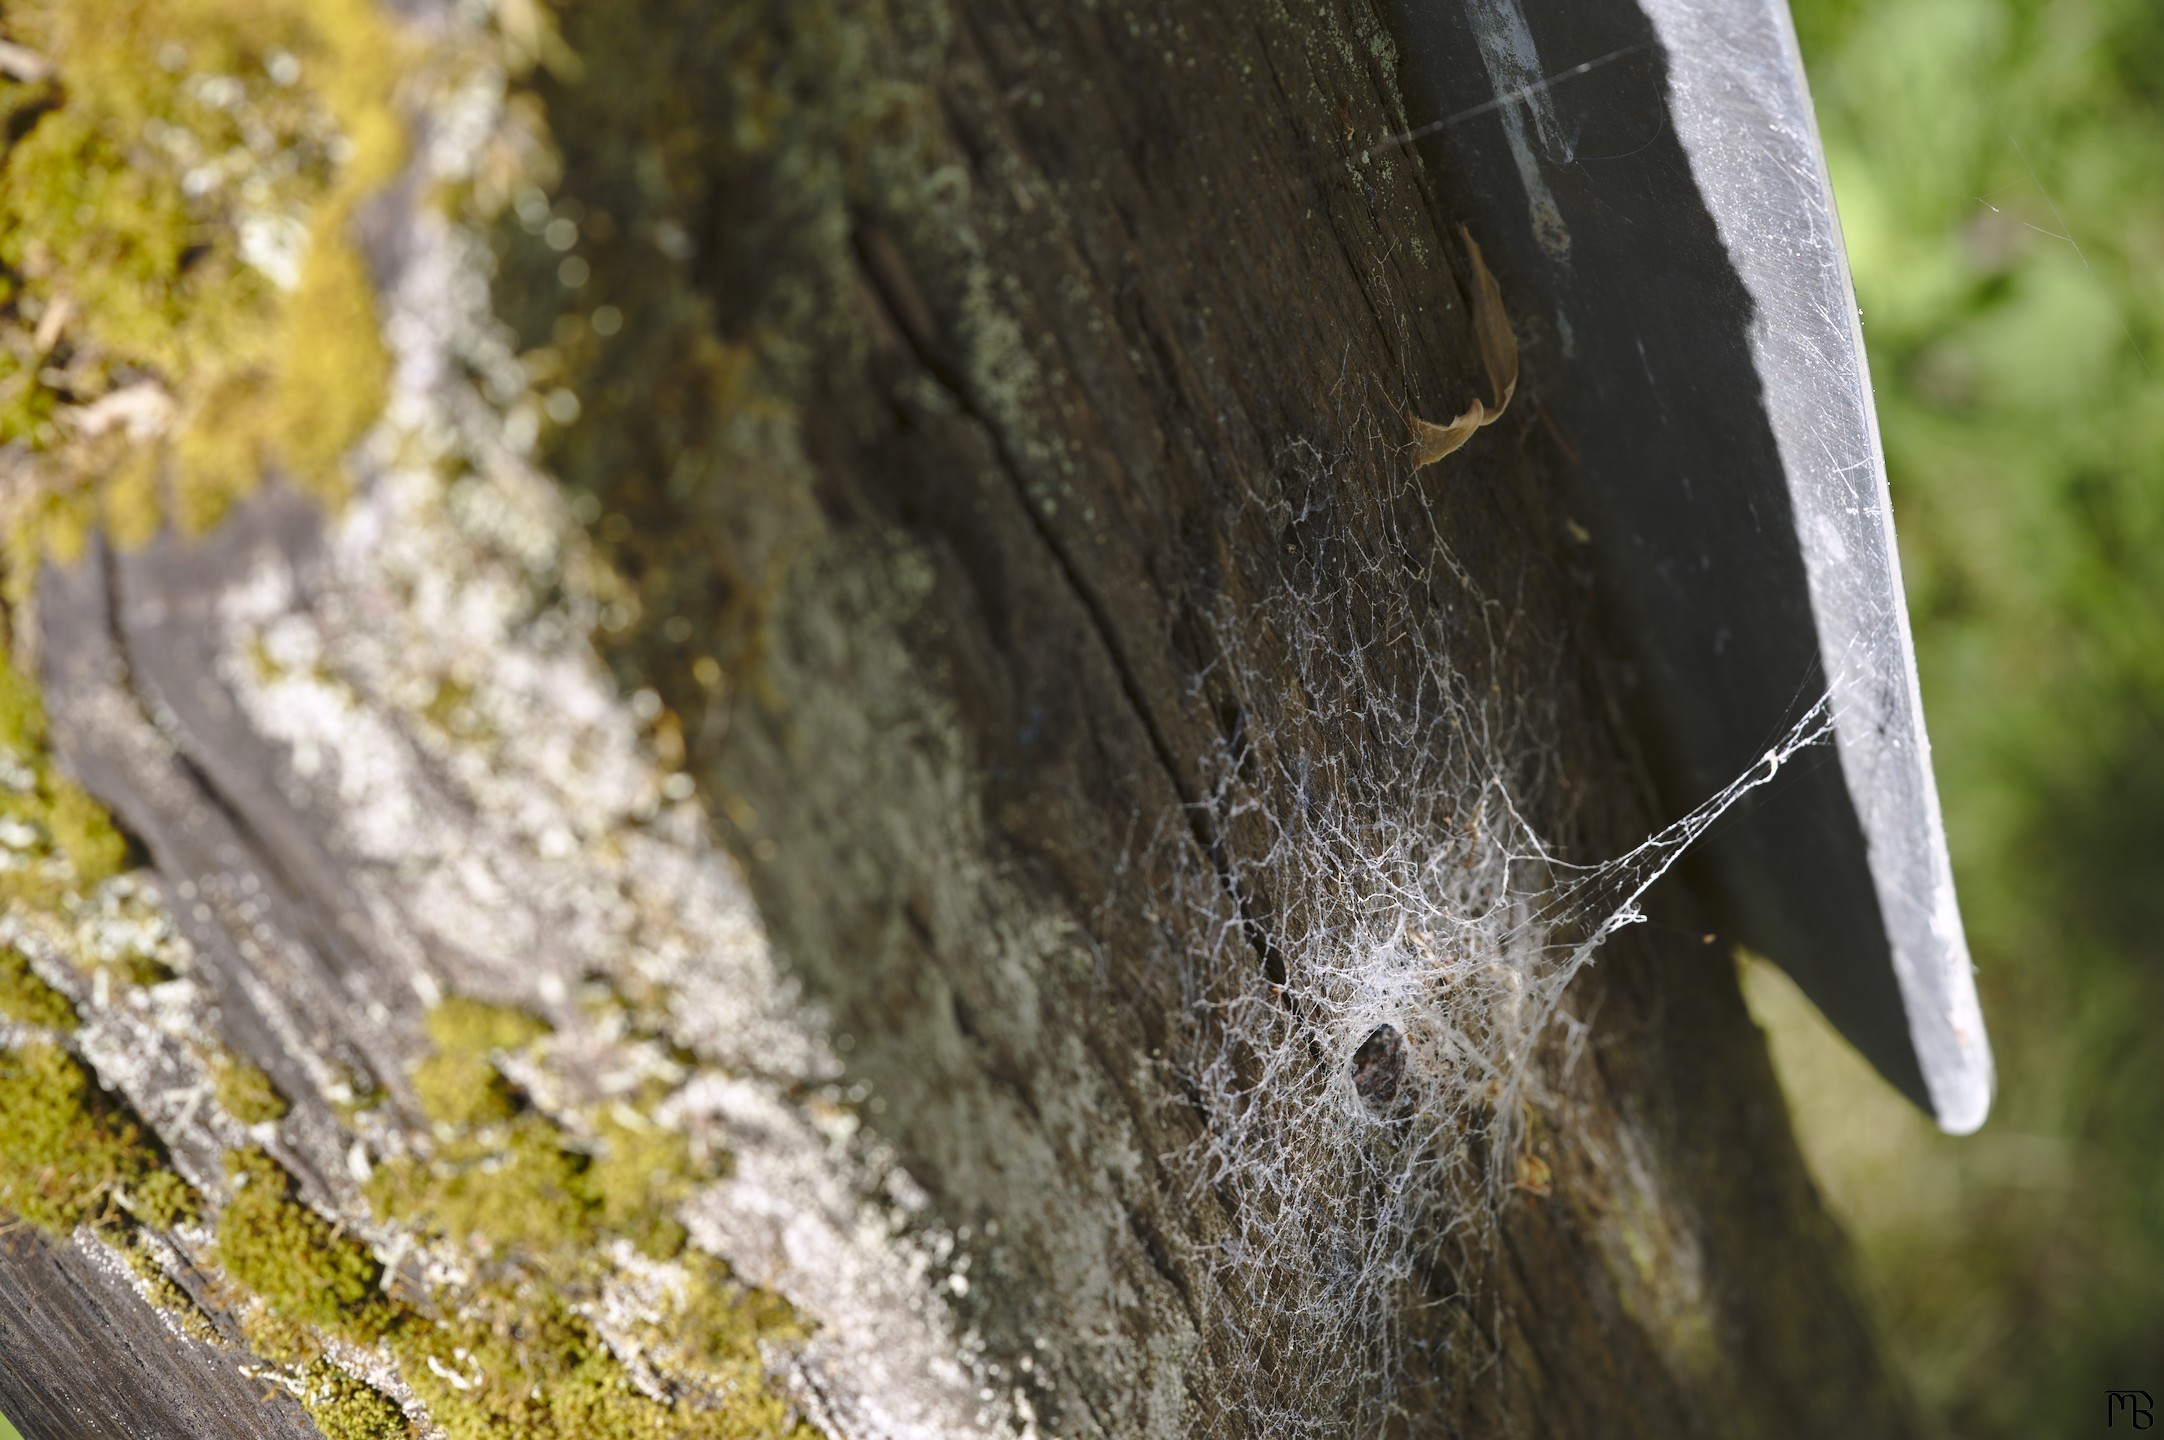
x=1401 y=901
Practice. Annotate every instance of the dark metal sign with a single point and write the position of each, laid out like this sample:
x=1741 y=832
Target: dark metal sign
x=1646 y=175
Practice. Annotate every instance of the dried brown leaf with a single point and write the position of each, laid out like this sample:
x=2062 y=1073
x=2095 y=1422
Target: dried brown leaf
x=1431 y=442
x=1491 y=325
x=1498 y=356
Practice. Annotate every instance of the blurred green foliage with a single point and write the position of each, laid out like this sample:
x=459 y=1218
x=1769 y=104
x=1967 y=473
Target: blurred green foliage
x=2000 y=170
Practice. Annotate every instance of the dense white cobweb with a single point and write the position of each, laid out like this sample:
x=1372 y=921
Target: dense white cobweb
x=1367 y=990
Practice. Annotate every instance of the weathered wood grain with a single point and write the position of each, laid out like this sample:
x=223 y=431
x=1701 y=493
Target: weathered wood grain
x=87 y=1359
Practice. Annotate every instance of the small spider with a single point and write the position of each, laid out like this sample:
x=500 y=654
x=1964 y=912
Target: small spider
x=1378 y=1066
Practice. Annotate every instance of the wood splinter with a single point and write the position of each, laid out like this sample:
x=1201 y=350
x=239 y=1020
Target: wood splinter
x=1498 y=355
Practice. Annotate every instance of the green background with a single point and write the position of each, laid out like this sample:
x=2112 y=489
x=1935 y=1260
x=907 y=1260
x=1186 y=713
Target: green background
x=1999 y=165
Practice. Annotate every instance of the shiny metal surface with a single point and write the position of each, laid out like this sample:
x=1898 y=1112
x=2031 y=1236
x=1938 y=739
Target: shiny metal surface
x=1648 y=172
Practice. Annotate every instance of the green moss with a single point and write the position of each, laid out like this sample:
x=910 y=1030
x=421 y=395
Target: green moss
x=301 y=1265
x=161 y=1199
x=275 y=1338
x=344 y=1408
x=28 y=1000
x=159 y=1288
x=460 y=1026
x=638 y=1180
x=513 y=1357
x=22 y=713
x=72 y=825
x=449 y=709
x=718 y=1329
x=514 y=1185
x=68 y=1151
x=181 y=217
x=244 y=1090
x=461 y=1090
x=521 y=1363
x=459 y=1086
x=504 y=1175
x=348 y=1409
x=84 y=833
x=334 y=373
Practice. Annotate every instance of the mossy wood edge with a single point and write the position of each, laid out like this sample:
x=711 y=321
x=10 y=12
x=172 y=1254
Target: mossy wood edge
x=224 y=366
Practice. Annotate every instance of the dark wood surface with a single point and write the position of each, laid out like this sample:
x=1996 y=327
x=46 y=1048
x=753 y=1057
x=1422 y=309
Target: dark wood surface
x=82 y=1357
